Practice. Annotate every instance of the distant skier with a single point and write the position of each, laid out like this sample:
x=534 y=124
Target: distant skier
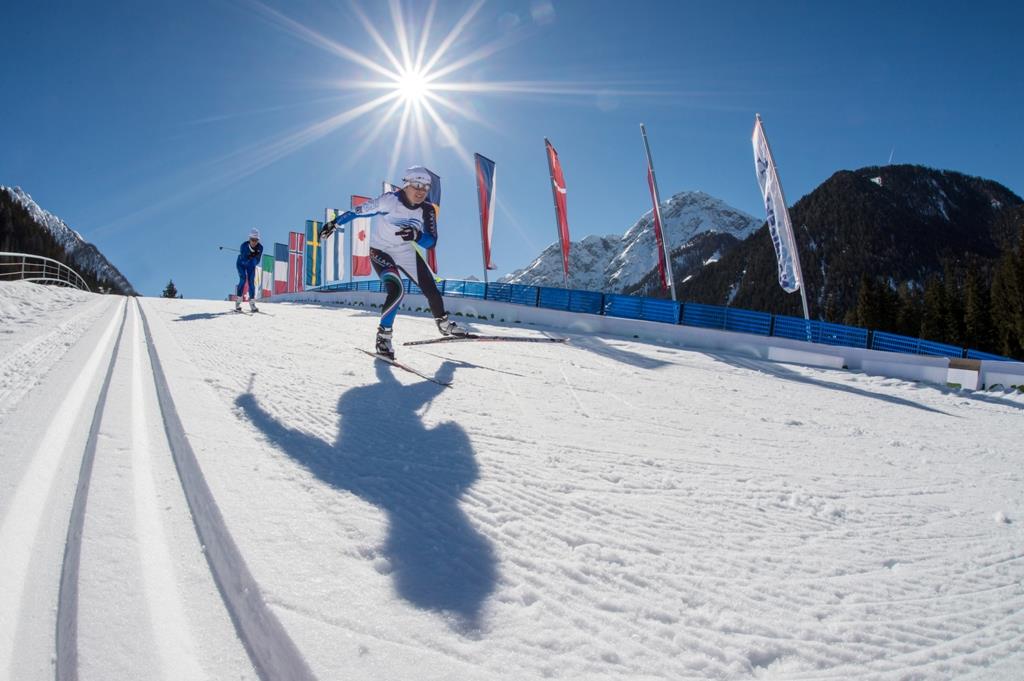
x=250 y=253
x=400 y=219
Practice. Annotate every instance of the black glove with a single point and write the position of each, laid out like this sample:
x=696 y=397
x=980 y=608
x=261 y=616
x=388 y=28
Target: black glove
x=327 y=230
x=408 y=234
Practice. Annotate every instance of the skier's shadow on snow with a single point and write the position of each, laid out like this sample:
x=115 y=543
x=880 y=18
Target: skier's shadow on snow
x=417 y=476
x=779 y=371
x=618 y=354
x=196 y=316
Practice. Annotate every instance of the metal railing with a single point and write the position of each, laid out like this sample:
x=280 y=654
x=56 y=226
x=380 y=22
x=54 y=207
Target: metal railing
x=37 y=268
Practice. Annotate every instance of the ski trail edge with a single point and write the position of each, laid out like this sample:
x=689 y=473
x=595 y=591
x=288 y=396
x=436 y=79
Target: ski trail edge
x=273 y=654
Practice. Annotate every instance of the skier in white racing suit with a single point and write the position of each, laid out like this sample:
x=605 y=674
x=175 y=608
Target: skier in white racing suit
x=401 y=218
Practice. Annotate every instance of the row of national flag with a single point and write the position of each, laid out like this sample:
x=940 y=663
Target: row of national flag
x=308 y=262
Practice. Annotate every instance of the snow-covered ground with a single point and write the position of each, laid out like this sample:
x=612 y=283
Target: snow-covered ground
x=603 y=509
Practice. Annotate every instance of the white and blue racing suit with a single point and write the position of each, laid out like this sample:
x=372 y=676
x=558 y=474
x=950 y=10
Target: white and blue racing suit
x=392 y=255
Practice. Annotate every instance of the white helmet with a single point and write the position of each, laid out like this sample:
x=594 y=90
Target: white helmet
x=417 y=174
x=254 y=234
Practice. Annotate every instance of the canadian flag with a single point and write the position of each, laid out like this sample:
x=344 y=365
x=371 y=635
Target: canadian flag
x=360 y=241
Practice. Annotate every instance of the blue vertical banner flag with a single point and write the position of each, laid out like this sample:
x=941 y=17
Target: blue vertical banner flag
x=486 y=187
x=314 y=267
x=333 y=248
x=779 y=225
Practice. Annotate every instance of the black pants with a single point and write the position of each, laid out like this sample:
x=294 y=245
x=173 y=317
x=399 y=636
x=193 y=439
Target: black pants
x=391 y=274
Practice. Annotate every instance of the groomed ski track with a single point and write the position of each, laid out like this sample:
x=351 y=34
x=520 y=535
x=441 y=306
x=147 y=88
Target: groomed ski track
x=601 y=509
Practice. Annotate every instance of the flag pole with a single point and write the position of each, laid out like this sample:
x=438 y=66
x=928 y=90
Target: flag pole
x=657 y=213
x=796 y=254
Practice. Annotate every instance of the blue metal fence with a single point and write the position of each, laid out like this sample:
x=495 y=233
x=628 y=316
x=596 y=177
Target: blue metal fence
x=688 y=314
x=747 y=321
x=892 y=342
x=705 y=316
x=649 y=309
x=816 y=331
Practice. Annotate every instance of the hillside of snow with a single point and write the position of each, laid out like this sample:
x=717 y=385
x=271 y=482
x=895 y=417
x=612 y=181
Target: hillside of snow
x=80 y=255
x=617 y=263
x=601 y=509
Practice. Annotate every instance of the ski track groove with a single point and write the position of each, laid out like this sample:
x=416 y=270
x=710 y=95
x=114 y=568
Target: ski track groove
x=20 y=528
x=66 y=653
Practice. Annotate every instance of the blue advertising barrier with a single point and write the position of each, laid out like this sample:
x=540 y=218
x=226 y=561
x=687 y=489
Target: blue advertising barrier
x=688 y=314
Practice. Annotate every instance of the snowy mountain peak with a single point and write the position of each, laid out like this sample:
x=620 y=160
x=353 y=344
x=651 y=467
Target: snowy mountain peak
x=67 y=237
x=79 y=254
x=617 y=264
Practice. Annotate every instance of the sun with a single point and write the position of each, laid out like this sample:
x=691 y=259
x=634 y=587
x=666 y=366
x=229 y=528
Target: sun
x=413 y=87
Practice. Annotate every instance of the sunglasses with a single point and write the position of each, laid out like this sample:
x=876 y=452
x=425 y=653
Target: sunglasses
x=425 y=187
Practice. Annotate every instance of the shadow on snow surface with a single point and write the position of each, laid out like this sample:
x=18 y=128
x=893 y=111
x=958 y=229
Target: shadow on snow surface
x=416 y=475
x=779 y=371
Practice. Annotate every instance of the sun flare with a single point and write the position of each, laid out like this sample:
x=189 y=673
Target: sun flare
x=418 y=91
x=413 y=87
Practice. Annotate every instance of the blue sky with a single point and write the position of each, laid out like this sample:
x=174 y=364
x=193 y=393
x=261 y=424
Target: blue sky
x=162 y=130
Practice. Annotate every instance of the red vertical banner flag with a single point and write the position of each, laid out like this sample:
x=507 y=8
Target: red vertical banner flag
x=558 y=191
x=664 y=257
x=486 y=186
x=657 y=228
x=360 y=241
x=296 y=256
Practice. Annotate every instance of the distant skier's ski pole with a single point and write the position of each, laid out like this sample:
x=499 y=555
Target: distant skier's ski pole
x=227 y=248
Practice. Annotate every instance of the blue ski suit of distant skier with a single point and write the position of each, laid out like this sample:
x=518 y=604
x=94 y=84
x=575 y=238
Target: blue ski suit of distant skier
x=248 y=258
x=396 y=225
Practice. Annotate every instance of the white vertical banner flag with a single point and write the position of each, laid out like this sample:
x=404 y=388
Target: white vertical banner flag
x=779 y=226
x=333 y=250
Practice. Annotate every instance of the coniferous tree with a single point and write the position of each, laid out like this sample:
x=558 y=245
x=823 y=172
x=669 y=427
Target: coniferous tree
x=953 y=317
x=877 y=305
x=978 y=332
x=867 y=303
x=908 y=310
x=1007 y=300
x=830 y=313
x=170 y=291
x=934 y=311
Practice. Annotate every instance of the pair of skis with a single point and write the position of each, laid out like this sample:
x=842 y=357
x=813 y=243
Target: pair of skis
x=470 y=337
